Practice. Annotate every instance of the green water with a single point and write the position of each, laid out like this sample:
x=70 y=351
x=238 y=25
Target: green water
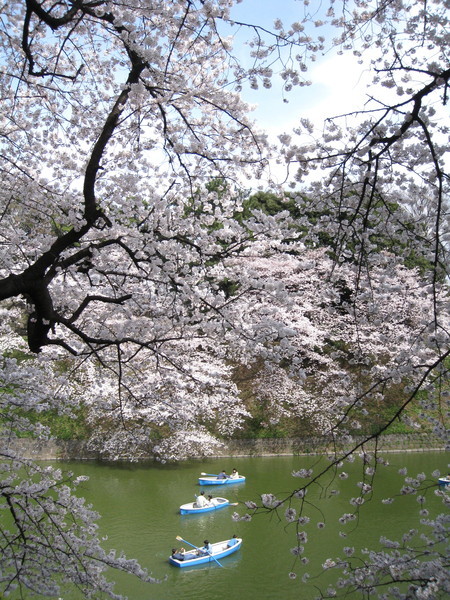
x=139 y=507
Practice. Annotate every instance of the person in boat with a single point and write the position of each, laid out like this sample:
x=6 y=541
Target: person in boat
x=210 y=499
x=234 y=474
x=178 y=554
x=201 y=501
x=222 y=475
x=207 y=548
x=232 y=542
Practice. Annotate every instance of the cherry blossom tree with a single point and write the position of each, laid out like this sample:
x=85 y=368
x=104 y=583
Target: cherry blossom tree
x=115 y=118
x=126 y=276
x=376 y=174
x=342 y=340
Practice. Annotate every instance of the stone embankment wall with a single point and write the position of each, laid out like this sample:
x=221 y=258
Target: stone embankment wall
x=304 y=446
x=51 y=450
x=417 y=442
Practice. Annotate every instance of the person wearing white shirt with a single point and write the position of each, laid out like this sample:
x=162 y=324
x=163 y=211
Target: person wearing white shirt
x=201 y=501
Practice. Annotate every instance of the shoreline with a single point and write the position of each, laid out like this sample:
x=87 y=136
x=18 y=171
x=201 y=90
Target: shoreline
x=393 y=443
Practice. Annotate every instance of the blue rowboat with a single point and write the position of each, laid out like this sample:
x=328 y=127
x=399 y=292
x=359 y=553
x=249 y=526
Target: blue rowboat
x=215 y=481
x=191 y=508
x=218 y=550
x=443 y=481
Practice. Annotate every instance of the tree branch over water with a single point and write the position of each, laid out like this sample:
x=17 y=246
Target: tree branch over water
x=144 y=287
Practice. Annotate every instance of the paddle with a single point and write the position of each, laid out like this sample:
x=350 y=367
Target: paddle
x=180 y=539
x=210 y=474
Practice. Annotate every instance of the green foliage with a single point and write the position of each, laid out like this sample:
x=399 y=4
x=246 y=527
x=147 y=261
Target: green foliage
x=306 y=216
x=399 y=428
x=228 y=287
x=19 y=355
x=65 y=427
x=270 y=204
x=257 y=428
x=62 y=427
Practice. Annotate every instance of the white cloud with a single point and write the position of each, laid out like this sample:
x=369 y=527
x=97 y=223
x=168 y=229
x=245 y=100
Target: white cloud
x=341 y=85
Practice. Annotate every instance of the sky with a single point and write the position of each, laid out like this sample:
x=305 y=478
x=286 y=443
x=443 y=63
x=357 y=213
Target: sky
x=339 y=83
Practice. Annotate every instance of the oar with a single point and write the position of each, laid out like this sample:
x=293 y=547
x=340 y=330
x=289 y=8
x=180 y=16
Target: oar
x=180 y=539
x=210 y=474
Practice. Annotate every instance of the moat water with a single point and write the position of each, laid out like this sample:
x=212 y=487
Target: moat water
x=139 y=507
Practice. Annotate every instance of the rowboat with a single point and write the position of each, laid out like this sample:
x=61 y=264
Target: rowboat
x=215 y=481
x=218 y=550
x=214 y=504
x=444 y=481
